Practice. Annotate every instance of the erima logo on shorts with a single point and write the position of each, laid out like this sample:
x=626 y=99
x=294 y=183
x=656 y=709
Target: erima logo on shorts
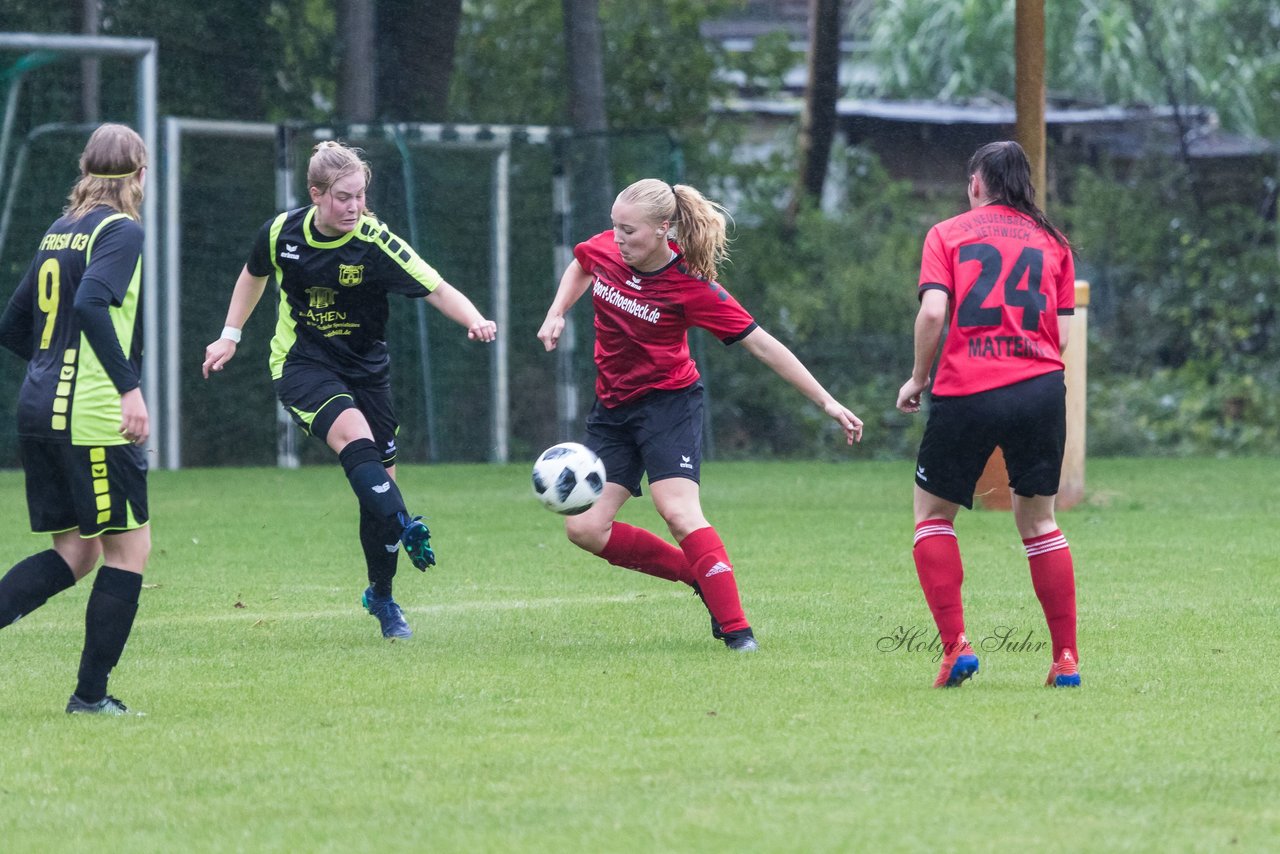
x=920 y=474
x=685 y=463
x=383 y=488
x=720 y=567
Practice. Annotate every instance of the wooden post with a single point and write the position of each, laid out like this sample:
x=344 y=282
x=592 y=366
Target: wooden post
x=992 y=492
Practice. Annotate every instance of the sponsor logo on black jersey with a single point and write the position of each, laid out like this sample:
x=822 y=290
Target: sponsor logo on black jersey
x=350 y=275
x=321 y=297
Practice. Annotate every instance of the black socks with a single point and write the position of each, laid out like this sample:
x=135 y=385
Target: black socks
x=370 y=480
x=31 y=583
x=380 y=540
x=108 y=619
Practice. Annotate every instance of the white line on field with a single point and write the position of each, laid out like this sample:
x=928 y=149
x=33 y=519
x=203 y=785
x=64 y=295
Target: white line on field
x=253 y=614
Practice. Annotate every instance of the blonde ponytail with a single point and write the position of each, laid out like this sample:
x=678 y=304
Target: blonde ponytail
x=700 y=225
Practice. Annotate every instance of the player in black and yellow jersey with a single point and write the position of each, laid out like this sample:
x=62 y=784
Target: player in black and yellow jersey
x=75 y=318
x=335 y=263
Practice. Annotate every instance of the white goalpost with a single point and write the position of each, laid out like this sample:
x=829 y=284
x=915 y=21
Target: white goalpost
x=144 y=54
x=496 y=140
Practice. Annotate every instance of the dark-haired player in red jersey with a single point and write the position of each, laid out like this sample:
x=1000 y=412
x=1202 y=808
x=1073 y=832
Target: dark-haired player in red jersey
x=652 y=278
x=1000 y=280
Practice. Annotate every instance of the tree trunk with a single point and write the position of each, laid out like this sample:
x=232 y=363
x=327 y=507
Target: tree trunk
x=592 y=182
x=357 y=90
x=822 y=90
x=416 y=44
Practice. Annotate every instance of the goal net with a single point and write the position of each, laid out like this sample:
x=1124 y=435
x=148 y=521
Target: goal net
x=44 y=112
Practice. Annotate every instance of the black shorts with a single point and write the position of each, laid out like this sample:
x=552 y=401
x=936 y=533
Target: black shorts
x=315 y=395
x=98 y=489
x=1026 y=420
x=660 y=434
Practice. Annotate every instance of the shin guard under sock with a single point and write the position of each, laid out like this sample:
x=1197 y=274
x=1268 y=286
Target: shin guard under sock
x=1053 y=576
x=32 y=582
x=636 y=548
x=108 y=619
x=937 y=557
x=381 y=544
x=370 y=480
x=708 y=563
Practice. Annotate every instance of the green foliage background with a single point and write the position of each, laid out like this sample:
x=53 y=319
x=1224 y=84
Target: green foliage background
x=1183 y=352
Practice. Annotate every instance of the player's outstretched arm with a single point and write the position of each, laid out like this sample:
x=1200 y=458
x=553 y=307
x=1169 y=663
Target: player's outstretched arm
x=785 y=364
x=453 y=304
x=244 y=299
x=573 y=284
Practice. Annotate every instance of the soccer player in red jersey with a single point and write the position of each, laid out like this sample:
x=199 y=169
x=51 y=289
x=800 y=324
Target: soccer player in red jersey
x=651 y=279
x=1000 y=280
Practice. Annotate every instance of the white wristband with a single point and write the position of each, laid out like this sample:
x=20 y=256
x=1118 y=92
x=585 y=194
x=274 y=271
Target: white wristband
x=231 y=334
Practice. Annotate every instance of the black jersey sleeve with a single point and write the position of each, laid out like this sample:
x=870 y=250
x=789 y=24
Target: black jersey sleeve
x=259 y=263
x=92 y=306
x=17 y=327
x=114 y=258
x=113 y=263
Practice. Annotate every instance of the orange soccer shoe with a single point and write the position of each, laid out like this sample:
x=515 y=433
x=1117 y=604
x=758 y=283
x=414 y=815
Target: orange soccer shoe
x=957 y=665
x=1065 y=672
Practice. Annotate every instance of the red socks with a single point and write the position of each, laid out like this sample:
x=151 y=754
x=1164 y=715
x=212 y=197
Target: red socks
x=635 y=548
x=701 y=560
x=709 y=562
x=937 y=557
x=1053 y=576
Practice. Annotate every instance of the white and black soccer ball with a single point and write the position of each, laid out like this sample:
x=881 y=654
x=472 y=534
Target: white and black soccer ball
x=568 y=478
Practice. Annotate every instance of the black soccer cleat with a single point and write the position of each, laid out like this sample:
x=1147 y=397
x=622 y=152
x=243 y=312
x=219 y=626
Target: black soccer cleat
x=743 y=640
x=108 y=705
x=715 y=624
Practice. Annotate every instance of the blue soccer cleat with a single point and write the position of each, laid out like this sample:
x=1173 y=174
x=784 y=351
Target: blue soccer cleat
x=1065 y=672
x=389 y=615
x=416 y=538
x=957 y=665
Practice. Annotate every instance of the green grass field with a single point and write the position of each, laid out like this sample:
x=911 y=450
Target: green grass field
x=550 y=702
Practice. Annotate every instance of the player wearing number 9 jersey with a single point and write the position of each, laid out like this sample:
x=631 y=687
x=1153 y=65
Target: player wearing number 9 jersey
x=1000 y=280
x=74 y=318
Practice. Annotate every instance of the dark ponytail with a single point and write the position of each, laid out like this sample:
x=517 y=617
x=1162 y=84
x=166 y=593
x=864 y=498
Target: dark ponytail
x=1006 y=174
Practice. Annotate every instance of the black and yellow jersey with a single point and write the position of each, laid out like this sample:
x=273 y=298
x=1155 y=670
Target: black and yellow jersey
x=72 y=392
x=333 y=291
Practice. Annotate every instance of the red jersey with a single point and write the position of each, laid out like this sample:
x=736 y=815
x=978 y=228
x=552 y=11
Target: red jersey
x=642 y=321
x=1008 y=280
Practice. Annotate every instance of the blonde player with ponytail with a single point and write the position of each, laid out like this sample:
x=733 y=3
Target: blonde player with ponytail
x=336 y=264
x=652 y=278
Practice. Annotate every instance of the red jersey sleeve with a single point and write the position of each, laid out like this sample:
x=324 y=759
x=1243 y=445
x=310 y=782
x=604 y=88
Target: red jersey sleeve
x=1067 y=285
x=935 y=263
x=714 y=309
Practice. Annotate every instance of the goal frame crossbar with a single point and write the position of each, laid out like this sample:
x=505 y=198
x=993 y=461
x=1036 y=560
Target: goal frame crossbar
x=497 y=139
